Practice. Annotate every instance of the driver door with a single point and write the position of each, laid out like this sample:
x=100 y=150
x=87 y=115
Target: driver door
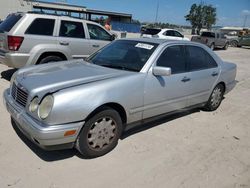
x=164 y=94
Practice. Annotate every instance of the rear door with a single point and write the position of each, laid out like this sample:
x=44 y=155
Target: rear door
x=72 y=35
x=98 y=37
x=219 y=41
x=40 y=31
x=204 y=73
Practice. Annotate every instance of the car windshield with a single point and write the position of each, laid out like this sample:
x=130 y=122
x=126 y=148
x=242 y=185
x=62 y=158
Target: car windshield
x=124 y=55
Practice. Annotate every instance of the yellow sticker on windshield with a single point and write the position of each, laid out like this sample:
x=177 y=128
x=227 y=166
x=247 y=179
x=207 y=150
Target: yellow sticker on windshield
x=145 y=46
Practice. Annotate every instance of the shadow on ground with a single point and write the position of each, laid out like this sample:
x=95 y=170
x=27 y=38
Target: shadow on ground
x=156 y=122
x=8 y=74
x=50 y=156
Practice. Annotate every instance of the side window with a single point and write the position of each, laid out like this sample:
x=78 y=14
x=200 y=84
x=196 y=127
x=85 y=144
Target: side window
x=41 y=26
x=169 y=33
x=199 y=59
x=177 y=34
x=218 y=35
x=97 y=33
x=71 y=29
x=173 y=57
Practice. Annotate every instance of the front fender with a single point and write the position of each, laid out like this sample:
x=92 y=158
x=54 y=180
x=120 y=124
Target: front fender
x=78 y=102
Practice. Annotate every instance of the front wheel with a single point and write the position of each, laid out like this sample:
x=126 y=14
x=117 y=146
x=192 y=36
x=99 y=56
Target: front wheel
x=100 y=134
x=226 y=46
x=215 y=98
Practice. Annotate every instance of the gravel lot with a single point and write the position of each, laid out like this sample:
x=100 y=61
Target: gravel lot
x=195 y=149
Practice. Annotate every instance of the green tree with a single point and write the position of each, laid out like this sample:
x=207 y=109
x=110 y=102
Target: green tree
x=201 y=16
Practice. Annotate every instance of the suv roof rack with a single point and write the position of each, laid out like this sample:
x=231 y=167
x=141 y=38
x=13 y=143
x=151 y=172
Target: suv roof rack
x=53 y=14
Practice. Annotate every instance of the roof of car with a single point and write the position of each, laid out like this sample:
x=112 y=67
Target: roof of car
x=163 y=41
x=149 y=40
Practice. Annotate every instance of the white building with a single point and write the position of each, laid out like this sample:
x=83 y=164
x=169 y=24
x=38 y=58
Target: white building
x=10 y=6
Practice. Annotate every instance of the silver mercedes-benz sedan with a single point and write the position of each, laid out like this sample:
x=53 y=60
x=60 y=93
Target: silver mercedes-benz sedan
x=88 y=104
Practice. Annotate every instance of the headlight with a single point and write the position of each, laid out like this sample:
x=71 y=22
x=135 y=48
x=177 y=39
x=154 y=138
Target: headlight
x=13 y=77
x=45 y=107
x=34 y=104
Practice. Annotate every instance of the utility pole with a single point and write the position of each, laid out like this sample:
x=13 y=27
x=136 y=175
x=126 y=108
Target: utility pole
x=157 y=10
x=245 y=21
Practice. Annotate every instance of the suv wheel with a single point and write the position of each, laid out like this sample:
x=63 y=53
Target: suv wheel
x=226 y=46
x=50 y=59
x=212 y=46
x=100 y=134
x=234 y=43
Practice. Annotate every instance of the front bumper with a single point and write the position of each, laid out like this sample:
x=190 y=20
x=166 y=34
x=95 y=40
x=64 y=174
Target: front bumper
x=15 y=60
x=46 y=137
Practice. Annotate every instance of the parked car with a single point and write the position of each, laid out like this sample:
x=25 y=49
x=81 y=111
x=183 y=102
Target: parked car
x=212 y=40
x=35 y=38
x=89 y=105
x=244 y=41
x=163 y=34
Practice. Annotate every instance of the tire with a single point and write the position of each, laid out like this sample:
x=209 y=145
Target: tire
x=100 y=134
x=215 y=98
x=212 y=46
x=50 y=59
x=234 y=43
x=226 y=46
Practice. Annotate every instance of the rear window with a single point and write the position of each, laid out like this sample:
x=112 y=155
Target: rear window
x=9 y=22
x=151 y=31
x=41 y=26
x=208 y=34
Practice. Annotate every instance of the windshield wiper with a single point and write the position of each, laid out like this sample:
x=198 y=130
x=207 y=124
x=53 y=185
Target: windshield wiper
x=119 y=67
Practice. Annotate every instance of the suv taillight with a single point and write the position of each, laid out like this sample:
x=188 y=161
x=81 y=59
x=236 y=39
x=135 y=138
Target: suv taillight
x=14 y=43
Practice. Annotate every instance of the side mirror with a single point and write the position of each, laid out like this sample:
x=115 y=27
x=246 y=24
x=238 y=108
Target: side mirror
x=113 y=37
x=161 y=71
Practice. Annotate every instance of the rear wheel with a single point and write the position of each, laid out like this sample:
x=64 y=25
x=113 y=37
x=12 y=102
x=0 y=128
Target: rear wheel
x=212 y=46
x=215 y=98
x=50 y=59
x=234 y=43
x=226 y=46
x=100 y=134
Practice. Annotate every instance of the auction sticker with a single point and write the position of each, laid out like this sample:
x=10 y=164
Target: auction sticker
x=145 y=46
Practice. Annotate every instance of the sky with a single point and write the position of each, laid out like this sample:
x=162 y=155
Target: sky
x=229 y=12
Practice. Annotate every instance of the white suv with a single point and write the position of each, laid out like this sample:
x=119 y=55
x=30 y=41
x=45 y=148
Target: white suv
x=35 y=38
x=163 y=34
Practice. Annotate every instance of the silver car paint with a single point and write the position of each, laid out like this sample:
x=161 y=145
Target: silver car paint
x=141 y=95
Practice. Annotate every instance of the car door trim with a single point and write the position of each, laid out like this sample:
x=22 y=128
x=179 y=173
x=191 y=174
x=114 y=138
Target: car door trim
x=156 y=105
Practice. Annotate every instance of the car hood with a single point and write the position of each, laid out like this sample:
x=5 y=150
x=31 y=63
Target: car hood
x=60 y=75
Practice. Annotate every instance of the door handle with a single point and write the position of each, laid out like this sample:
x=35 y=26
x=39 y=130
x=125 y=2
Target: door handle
x=185 y=79
x=96 y=45
x=64 y=43
x=214 y=74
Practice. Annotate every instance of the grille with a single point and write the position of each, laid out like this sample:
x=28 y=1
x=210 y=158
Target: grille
x=19 y=95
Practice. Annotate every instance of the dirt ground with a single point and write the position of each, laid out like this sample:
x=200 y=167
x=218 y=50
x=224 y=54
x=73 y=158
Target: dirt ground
x=194 y=149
